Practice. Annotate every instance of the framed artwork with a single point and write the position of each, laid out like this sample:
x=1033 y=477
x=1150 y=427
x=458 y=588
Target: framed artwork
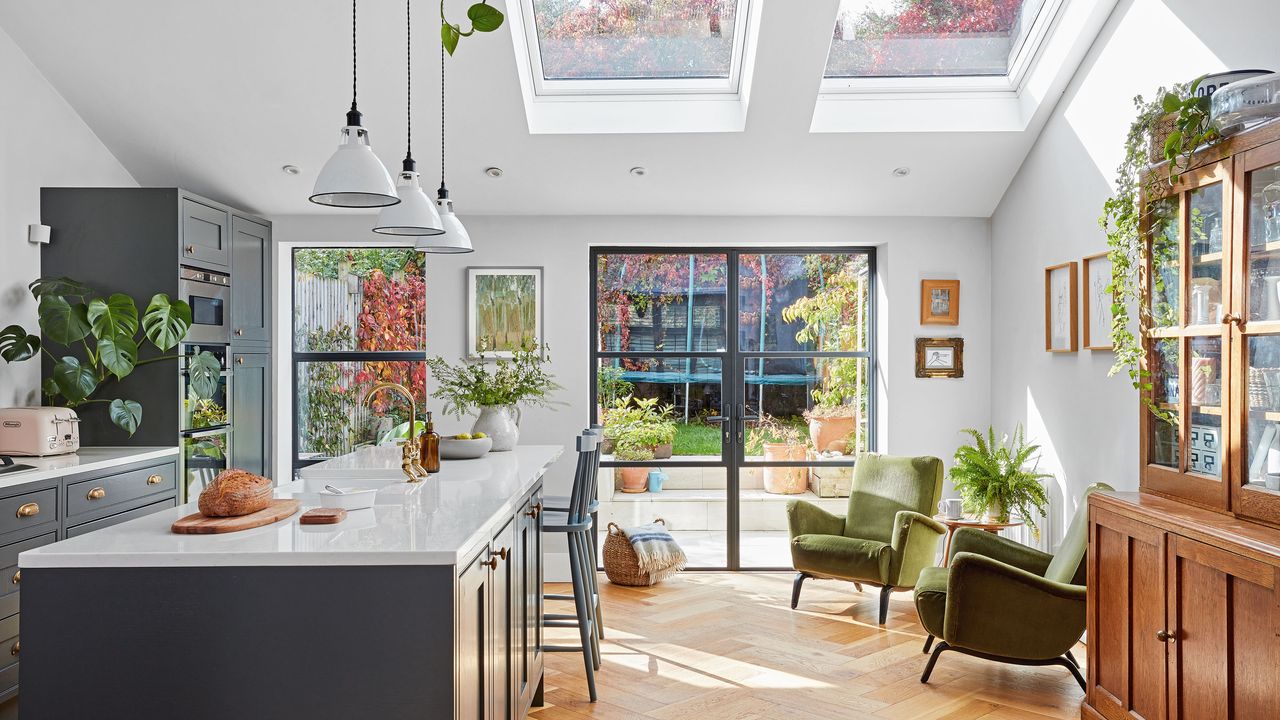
x=1097 y=302
x=940 y=357
x=504 y=310
x=1060 y=307
x=939 y=302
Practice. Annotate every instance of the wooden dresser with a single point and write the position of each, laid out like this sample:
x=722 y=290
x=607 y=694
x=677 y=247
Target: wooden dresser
x=1184 y=577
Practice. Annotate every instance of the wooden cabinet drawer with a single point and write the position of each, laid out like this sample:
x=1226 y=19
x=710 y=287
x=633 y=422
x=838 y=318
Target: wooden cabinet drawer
x=125 y=516
x=104 y=495
x=29 y=510
x=9 y=577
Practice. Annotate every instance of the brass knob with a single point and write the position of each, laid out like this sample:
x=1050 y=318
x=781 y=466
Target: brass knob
x=96 y=494
x=1164 y=636
x=535 y=511
x=502 y=553
x=239 y=331
x=16 y=647
x=1229 y=319
x=191 y=249
x=154 y=479
x=491 y=562
x=29 y=510
x=240 y=360
x=17 y=577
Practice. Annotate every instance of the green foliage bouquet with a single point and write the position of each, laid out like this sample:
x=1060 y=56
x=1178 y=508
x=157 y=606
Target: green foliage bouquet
x=992 y=475
x=522 y=379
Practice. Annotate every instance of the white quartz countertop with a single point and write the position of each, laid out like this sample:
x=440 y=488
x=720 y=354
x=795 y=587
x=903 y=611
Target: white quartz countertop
x=439 y=521
x=88 y=459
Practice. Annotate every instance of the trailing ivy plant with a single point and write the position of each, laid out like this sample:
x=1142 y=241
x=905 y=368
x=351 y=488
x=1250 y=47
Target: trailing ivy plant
x=483 y=16
x=100 y=344
x=1124 y=216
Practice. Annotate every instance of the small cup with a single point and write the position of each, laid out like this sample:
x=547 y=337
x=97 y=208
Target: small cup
x=951 y=508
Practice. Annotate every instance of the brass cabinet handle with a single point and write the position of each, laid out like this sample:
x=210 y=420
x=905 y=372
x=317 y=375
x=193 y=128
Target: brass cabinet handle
x=502 y=553
x=16 y=647
x=17 y=577
x=240 y=360
x=191 y=249
x=535 y=511
x=239 y=331
x=491 y=562
x=96 y=494
x=29 y=510
x=1164 y=636
x=1229 y=319
x=154 y=479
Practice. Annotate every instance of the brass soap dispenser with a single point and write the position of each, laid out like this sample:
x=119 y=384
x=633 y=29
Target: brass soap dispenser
x=430 y=448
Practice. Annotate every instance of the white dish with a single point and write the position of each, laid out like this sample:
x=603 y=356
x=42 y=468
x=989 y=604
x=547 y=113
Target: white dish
x=451 y=448
x=350 y=499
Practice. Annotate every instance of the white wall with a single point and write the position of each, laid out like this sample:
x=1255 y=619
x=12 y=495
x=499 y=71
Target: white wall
x=917 y=416
x=1088 y=422
x=43 y=143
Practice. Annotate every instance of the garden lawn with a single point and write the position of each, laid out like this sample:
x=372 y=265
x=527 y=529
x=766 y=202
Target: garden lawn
x=696 y=439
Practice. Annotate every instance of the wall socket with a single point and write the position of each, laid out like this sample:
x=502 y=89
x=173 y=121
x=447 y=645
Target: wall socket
x=38 y=234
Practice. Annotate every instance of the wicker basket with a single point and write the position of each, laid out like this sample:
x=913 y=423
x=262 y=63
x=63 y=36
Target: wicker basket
x=620 y=561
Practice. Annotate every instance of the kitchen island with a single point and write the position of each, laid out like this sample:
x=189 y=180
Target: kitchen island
x=428 y=605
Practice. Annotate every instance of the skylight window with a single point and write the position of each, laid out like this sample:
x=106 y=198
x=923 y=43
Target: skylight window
x=635 y=46
x=934 y=38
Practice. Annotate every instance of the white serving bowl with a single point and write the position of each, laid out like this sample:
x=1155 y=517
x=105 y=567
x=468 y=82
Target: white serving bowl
x=350 y=499
x=451 y=448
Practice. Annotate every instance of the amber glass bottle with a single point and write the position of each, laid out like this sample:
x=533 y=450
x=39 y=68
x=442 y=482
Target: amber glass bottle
x=429 y=454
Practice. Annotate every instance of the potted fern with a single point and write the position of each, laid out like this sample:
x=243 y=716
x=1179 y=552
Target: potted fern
x=1000 y=477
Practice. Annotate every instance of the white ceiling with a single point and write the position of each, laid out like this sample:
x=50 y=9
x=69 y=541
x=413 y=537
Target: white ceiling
x=217 y=96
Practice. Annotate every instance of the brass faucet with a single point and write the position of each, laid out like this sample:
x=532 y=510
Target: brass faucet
x=409 y=463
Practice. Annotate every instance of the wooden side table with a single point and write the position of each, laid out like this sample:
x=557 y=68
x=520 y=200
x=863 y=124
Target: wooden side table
x=955 y=524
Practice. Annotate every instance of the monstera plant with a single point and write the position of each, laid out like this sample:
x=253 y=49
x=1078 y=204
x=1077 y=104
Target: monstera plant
x=100 y=345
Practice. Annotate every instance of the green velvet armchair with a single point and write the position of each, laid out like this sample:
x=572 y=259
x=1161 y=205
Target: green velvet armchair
x=1003 y=601
x=887 y=535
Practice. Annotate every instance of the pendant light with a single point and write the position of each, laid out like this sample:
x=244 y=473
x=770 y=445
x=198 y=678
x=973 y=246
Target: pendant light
x=416 y=214
x=354 y=177
x=455 y=238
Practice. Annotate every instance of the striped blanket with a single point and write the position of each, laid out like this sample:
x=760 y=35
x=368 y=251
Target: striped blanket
x=657 y=551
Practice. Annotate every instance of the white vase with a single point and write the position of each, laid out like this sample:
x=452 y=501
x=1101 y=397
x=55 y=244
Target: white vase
x=994 y=511
x=500 y=422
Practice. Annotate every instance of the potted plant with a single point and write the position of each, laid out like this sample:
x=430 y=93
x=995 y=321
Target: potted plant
x=993 y=477
x=834 y=415
x=610 y=387
x=634 y=479
x=522 y=379
x=101 y=345
x=779 y=441
x=644 y=422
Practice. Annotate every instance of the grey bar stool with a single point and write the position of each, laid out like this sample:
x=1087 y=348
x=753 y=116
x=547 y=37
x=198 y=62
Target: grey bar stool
x=560 y=503
x=576 y=524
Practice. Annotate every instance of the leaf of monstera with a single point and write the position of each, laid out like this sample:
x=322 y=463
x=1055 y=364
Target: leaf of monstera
x=16 y=344
x=114 y=317
x=61 y=321
x=58 y=286
x=126 y=414
x=118 y=354
x=203 y=371
x=166 y=321
x=484 y=18
x=75 y=381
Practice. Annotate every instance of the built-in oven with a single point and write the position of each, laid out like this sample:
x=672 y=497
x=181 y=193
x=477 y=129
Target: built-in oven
x=209 y=294
x=206 y=386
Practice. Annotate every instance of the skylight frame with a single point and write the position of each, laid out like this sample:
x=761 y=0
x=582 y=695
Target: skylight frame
x=1019 y=66
x=641 y=88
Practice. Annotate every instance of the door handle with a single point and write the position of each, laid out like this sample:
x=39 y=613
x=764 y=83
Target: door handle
x=1165 y=636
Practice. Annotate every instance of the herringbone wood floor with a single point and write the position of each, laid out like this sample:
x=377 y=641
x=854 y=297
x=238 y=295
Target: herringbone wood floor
x=714 y=646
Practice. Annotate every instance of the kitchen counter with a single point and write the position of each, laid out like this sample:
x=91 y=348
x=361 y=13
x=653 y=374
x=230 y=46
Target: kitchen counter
x=88 y=459
x=434 y=522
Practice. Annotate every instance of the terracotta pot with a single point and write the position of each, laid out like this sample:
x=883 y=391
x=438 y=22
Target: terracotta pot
x=826 y=432
x=662 y=452
x=606 y=446
x=634 y=479
x=785 y=480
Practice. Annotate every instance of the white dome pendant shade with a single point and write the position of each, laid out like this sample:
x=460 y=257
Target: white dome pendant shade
x=455 y=238
x=354 y=177
x=416 y=214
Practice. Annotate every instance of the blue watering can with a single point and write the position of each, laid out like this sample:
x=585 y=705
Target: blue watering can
x=656 y=478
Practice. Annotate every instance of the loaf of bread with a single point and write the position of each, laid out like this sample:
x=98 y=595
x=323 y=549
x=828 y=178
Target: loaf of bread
x=234 y=493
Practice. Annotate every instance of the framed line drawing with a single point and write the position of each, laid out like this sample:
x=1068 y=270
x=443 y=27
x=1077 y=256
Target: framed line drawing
x=1097 y=302
x=504 y=310
x=1060 y=329
x=940 y=357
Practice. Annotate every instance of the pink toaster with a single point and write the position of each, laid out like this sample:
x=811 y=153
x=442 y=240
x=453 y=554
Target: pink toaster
x=39 y=431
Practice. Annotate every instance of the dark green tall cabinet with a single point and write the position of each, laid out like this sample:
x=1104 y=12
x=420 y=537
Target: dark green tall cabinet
x=138 y=241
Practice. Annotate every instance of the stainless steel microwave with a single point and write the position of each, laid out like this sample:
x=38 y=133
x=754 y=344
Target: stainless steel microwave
x=209 y=294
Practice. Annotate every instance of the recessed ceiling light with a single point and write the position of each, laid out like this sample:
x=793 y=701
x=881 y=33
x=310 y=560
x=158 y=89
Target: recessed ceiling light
x=493 y=172
x=290 y=170
x=901 y=171
x=638 y=171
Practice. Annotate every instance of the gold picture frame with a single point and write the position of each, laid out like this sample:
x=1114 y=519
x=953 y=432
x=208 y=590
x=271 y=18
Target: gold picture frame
x=939 y=302
x=1061 y=331
x=940 y=357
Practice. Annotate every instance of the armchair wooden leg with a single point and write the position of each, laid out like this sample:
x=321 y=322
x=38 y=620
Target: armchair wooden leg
x=795 y=589
x=928 y=643
x=933 y=660
x=885 y=592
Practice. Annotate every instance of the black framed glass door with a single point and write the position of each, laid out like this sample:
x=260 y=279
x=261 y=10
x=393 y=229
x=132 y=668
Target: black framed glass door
x=743 y=377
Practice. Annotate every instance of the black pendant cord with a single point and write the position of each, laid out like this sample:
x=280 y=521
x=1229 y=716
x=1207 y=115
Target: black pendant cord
x=408 y=88
x=443 y=192
x=353 y=115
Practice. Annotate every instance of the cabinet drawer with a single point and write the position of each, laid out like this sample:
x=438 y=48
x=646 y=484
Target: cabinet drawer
x=9 y=577
x=125 y=516
x=28 y=510
x=108 y=494
x=8 y=654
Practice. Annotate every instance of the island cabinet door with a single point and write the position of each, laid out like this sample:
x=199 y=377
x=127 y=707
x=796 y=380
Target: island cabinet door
x=503 y=588
x=529 y=602
x=1126 y=564
x=471 y=698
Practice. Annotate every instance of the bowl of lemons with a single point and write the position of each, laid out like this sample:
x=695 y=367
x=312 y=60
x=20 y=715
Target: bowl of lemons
x=464 y=446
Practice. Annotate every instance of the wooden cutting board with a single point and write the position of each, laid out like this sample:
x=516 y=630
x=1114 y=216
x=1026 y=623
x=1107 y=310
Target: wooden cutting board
x=197 y=524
